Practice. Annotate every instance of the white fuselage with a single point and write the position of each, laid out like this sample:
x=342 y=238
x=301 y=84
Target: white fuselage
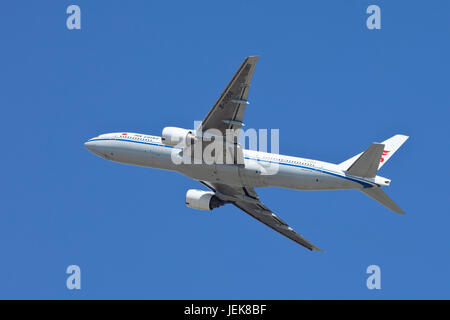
x=260 y=169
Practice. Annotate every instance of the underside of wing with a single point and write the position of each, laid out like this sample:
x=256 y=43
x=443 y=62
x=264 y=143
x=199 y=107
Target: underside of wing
x=270 y=219
x=246 y=199
x=228 y=111
x=225 y=119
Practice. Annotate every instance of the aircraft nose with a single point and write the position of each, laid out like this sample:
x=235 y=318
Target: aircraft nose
x=90 y=145
x=95 y=147
x=98 y=148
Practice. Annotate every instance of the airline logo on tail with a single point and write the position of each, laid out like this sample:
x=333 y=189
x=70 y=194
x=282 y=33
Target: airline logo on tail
x=391 y=145
x=385 y=152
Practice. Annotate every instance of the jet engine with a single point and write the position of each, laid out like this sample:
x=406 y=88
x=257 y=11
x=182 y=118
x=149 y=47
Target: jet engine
x=173 y=136
x=202 y=200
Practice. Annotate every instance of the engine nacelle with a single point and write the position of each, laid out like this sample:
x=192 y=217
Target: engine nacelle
x=202 y=200
x=173 y=136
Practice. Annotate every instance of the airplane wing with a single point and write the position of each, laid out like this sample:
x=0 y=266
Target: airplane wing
x=246 y=199
x=228 y=111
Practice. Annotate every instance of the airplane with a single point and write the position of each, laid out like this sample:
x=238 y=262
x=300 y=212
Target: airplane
x=233 y=181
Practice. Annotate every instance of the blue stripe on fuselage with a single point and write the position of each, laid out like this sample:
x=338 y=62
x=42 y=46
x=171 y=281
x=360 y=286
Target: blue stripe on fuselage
x=365 y=184
x=142 y=142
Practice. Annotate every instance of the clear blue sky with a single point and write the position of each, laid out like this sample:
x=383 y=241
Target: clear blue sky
x=328 y=83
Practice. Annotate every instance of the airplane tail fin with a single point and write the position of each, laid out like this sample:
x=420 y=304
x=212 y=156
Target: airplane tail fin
x=367 y=159
x=379 y=195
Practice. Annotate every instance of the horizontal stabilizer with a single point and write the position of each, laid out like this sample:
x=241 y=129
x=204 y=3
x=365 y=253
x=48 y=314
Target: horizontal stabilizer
x=367 y=164
x=380 y=196
x=390 y=146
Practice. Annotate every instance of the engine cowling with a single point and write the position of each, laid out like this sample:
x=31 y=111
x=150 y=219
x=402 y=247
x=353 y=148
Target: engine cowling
x=202 y=200
x=173 y=136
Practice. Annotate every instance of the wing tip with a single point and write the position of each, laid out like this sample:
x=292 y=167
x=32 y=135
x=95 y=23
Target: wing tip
x=255 y=58
x=317 y=249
